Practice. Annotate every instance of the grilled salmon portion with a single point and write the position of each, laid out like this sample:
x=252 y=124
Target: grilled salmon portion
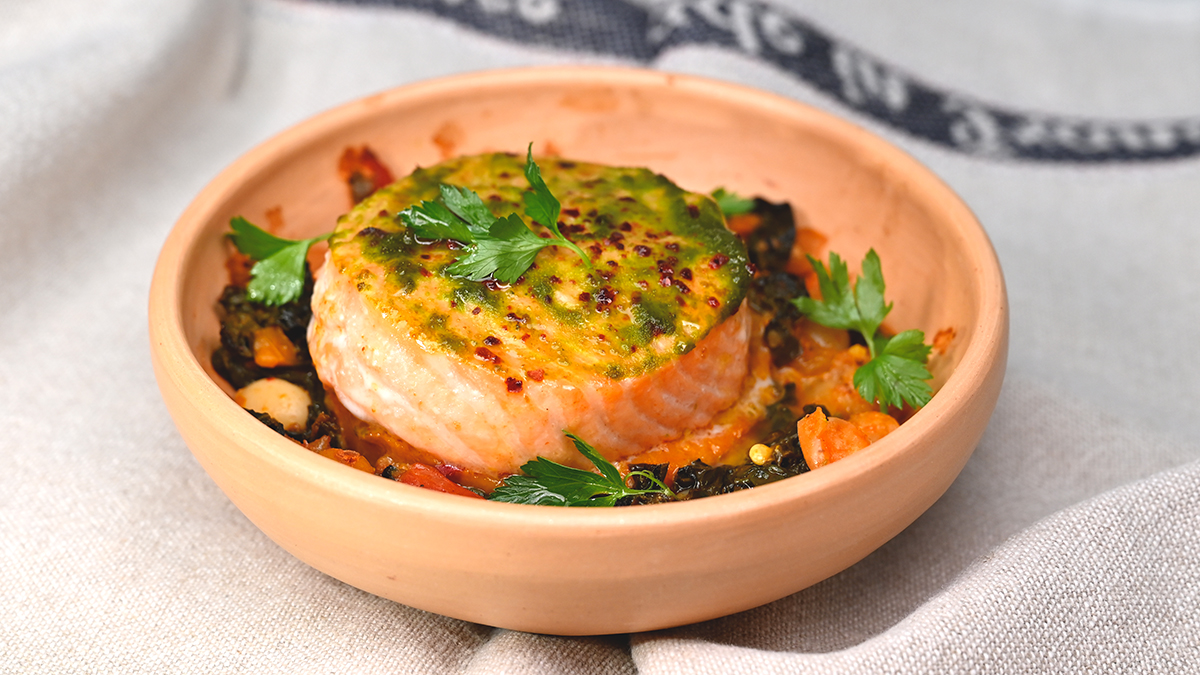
x=643 y=345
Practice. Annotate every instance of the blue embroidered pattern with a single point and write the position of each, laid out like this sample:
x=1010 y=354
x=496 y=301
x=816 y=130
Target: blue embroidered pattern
x=857 y=80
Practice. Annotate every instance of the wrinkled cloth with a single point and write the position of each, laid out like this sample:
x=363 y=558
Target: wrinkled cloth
x=1070 y=543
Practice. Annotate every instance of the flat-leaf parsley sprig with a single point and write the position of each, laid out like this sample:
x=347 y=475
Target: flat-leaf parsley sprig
x=897 y=372
x=277 y=277
x=552 y=484
x=502 y=248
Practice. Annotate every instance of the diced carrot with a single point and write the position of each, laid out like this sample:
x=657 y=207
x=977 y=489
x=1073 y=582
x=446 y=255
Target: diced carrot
x=874 y=424
x=273 y=348
x=425 y=476
x=826 y=440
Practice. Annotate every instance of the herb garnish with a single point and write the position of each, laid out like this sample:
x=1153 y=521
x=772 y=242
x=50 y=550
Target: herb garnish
x=896 y=373
x=552 y=484
x=731 y=203
x=277 y=277
x=502 y=248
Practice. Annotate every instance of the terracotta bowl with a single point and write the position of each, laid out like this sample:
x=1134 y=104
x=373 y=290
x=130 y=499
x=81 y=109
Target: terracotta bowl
x=594 y=571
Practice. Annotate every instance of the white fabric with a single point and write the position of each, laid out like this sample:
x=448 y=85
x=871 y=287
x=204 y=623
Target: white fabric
x=1070 y=543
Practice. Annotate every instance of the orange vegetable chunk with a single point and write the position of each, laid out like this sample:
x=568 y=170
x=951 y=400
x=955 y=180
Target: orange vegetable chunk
x=273 y=348
x=825 y=440
x=874 y=425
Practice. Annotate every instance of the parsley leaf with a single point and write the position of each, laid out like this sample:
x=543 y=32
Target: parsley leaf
x=868 y=295
x=836 y=308
x=504 y=252
x=254 y=242
x=434 y=220
x=896 y=373
x=277 y=277
x=518 y=489
x=467 y=205
x=731 y=203
x=550 y=483
x=908 y=345
x=501 y=248
x=540 y=205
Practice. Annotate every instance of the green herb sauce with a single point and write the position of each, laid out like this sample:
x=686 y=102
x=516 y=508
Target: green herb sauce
x=665 y=270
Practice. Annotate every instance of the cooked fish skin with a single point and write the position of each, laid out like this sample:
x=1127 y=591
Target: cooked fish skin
x=644 y=345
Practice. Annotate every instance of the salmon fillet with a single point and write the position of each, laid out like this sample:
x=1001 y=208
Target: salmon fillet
x=646 y=344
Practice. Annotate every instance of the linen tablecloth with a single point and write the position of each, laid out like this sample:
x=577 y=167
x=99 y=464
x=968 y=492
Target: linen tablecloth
x=1070 y=543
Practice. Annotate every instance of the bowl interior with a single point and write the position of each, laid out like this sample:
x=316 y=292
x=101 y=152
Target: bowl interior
x=843 y=182
x=698 y=134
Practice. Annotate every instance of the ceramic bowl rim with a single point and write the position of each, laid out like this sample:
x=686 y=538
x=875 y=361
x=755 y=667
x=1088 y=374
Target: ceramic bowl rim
x=170 y=341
